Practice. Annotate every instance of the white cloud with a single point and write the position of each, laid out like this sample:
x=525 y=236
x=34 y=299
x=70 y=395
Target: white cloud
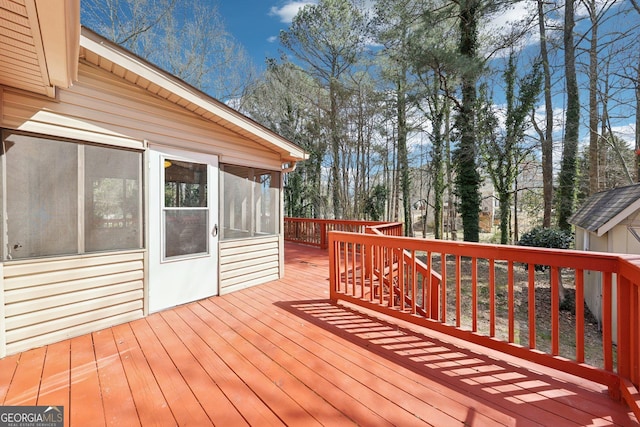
x=289 y=10
x=512 y=14
x=506 y=22
x=626 y=132
x=272 y=39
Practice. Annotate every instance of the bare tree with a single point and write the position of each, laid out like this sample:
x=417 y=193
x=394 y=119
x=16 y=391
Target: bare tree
x=546 y=136
x=187 y=39
x=328 y=39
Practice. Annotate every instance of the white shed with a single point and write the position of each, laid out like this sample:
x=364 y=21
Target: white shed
x=123 y=190
x=608 y=221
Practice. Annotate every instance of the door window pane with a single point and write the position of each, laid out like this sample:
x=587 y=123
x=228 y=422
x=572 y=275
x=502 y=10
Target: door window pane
x=185 y=184
x=186 y=212
x=41 y=196
x=186 y=232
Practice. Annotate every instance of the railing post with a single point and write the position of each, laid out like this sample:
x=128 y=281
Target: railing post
x=624 y=326
x=323 y=235
x=606 y=321
x=333 y=260
x=434 y=293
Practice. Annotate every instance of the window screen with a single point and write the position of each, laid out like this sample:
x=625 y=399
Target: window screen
x=112 y=199
x=41 y=179
x=64 y=198
x=250 y=202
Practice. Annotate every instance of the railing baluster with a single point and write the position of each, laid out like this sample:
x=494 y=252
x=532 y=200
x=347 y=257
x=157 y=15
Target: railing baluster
x=555 y=311
x=333 y=265
x=511 y=303
x=381 y=261
x=443 y=288
x=426 y=286
x=345 y=263
x=353 y=269
x=370 y=266
x=399 y=255
x=414 y=282
x=362 y=269
x=492 y=298
x=458 y=289
x=624 y=327
x=532 y=306
x=390 y=278
x=606 y=322
x=580 y=316
x=474 y=294
x=635 y=335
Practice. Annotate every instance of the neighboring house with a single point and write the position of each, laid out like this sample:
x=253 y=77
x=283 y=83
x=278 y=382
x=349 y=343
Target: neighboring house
x=609 y=221
x=124 y=190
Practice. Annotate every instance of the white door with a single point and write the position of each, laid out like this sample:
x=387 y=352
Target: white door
x=183 y=229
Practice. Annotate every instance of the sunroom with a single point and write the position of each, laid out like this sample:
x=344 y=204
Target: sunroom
x=124 y=190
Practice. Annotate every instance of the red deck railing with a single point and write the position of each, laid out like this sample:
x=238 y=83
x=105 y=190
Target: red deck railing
x=468 y=291
x=315 y=232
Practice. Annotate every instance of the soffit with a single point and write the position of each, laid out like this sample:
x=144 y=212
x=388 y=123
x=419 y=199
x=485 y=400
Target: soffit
x=39 y=44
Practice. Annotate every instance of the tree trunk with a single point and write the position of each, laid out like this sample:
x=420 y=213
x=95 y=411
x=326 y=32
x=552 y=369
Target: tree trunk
x=594 y=137
x=468 y=178
x=547 y=139
x=516 y=231
x=335 y=151
x=567 y=179
x=504 y=200
x=403 y=161
x=637 y=84
x=436 y=164
x=451 y=213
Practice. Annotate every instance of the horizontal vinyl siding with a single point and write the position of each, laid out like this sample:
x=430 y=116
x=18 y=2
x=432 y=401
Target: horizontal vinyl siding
x=248 y=262
x=51 y=300
x=103 y=108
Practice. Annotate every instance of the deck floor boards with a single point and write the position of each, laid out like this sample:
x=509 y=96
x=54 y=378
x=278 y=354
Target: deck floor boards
x=283 y=354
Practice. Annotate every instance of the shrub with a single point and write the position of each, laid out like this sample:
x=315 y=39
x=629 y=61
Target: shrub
x=546 y=238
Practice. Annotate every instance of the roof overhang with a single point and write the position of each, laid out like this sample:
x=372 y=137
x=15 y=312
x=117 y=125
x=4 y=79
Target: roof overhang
x=626 y=212
x=40 y=45
x=105 y=54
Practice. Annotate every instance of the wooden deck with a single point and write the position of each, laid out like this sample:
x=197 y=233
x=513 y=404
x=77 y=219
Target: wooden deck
x=283 y=354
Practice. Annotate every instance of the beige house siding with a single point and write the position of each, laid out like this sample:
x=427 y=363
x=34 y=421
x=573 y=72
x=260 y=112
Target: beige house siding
x=592 y=280
x=248 y=262
x=104 y=108
x=617 y=239
x=50 y=300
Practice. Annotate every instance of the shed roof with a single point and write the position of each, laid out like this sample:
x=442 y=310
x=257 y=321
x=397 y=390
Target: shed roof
x=606 y=209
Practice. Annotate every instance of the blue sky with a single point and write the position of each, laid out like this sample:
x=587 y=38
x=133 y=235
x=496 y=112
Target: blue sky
x=257 y=23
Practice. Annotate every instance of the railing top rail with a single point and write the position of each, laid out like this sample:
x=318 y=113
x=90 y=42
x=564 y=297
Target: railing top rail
x=384 y=225
x=599 y=261
x=338 y=221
